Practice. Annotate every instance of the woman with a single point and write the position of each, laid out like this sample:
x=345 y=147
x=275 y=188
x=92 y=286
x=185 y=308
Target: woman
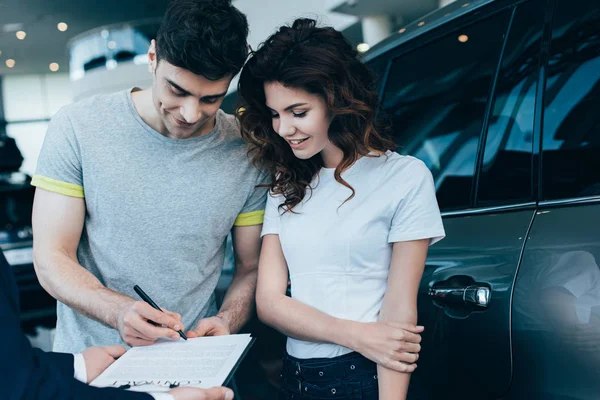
x=350 y=219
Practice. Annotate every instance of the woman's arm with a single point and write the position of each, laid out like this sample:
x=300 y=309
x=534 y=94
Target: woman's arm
x=390 y=344
x=400 y=305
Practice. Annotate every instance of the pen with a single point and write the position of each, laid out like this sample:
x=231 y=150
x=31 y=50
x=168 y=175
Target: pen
x=148 y=300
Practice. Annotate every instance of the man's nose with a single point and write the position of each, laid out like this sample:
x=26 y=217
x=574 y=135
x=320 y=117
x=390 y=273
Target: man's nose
x=191 y=112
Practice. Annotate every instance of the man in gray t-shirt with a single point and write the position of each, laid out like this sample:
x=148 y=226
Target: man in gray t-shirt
x=142 y=187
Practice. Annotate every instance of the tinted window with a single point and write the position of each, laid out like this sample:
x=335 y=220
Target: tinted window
x=436 y=98
x=378 y=66
x=506 y=169
x=571 y=139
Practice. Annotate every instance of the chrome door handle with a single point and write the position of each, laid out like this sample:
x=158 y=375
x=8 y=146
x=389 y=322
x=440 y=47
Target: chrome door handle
x=474 y=294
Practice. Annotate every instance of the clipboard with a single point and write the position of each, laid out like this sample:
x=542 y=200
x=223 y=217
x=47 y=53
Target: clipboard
x=199 y=362
x=235 y=367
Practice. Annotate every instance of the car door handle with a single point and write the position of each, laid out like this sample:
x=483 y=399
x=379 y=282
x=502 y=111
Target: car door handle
x=474 y=294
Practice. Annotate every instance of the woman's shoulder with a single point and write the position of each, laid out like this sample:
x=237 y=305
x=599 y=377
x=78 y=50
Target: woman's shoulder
x=399 y=166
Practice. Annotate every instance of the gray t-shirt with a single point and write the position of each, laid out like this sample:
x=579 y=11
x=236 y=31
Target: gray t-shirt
x=158 y=210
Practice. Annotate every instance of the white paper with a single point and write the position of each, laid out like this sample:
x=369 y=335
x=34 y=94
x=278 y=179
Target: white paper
x=200 y=362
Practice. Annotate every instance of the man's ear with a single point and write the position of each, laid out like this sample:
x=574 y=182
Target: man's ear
x=152 y=59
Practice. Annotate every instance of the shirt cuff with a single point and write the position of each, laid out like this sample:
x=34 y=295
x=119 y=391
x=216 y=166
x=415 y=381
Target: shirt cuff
x=79 y=367
x=161 y=396
x=250 y=218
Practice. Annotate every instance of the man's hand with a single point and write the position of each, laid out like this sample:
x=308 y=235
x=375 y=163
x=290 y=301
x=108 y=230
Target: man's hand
x=392 y=345
x=188 y=393
x=213 y=326
x=137 y=324
x=97 y=359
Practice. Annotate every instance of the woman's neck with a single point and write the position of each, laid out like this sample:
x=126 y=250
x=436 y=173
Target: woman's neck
x=332 y=156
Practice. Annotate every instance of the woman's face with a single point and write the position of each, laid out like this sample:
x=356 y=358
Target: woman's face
x=301 y=119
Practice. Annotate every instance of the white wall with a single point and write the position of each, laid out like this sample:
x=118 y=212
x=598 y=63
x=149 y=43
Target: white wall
x=265 y=16
x=35 y=99
x=28 y=97
x=102 y=80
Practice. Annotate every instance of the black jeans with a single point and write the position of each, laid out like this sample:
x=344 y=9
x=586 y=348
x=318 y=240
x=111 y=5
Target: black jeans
x=347 y=377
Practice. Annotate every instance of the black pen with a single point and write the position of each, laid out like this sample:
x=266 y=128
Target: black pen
x=148 y=300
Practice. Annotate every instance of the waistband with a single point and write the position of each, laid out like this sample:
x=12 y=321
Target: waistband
x=317 y=369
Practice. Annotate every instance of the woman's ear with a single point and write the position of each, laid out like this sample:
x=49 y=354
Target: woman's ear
x=152 y=59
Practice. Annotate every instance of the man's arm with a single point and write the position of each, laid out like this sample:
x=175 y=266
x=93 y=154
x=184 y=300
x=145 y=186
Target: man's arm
x=238 y=303
x=57 y=225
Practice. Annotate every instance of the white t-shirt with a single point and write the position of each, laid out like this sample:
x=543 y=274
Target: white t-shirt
x=339 y=255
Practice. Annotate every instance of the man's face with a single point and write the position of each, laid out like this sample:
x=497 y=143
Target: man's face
x=186 y=102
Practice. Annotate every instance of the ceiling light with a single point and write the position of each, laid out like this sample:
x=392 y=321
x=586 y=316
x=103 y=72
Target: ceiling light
x=62 y=26
x=111 y=64
x=21 y=35
x=402 y=30
x=54 y=67
x=466 y=5
x=77 y=74
x=0 y=52
x=10 y=63
x=463 y=38
x=421 y=23
x=112 y=44
x=363 y=47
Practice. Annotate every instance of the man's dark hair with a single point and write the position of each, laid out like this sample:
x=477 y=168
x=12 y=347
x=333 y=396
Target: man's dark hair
x=206 y=37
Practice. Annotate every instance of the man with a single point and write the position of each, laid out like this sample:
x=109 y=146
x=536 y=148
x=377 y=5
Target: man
x=27 y=373
x=142 y=187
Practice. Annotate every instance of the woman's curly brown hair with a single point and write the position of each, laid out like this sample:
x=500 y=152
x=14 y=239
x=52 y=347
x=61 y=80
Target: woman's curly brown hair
x=320 y=61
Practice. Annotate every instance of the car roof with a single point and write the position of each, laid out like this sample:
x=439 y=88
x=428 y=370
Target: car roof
x=425 y=24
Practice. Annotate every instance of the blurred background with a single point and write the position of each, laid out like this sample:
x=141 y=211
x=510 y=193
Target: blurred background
x=54 y=52
x=499 y=98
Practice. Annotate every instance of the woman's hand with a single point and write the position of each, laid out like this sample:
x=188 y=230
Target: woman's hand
x=392 y=345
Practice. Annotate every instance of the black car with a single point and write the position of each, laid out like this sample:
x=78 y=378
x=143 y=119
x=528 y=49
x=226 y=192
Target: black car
x=501 y=100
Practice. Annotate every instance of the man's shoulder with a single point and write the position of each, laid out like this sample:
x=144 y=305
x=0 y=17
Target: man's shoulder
x=235 y=147
x=229 y=127
x=229 y=133
x=93 y=106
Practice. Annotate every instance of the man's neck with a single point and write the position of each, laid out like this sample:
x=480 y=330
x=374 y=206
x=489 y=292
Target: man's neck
x=143 y=104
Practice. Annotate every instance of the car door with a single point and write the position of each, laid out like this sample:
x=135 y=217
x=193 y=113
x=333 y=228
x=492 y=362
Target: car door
x=556 y=307
x=463 y=102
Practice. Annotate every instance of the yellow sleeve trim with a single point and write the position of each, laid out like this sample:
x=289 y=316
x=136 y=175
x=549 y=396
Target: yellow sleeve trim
x=52 y=185
x=251 y=218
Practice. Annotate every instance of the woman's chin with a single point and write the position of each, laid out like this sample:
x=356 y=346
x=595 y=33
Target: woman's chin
x=303 y=154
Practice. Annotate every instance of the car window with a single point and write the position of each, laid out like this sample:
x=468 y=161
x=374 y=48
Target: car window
x=435 y=97
x=571 y=130
x=506 y=171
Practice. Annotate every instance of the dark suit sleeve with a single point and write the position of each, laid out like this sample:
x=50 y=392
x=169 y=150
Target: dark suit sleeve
x=62 y=362
x=37 y=378
x=28 y=374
